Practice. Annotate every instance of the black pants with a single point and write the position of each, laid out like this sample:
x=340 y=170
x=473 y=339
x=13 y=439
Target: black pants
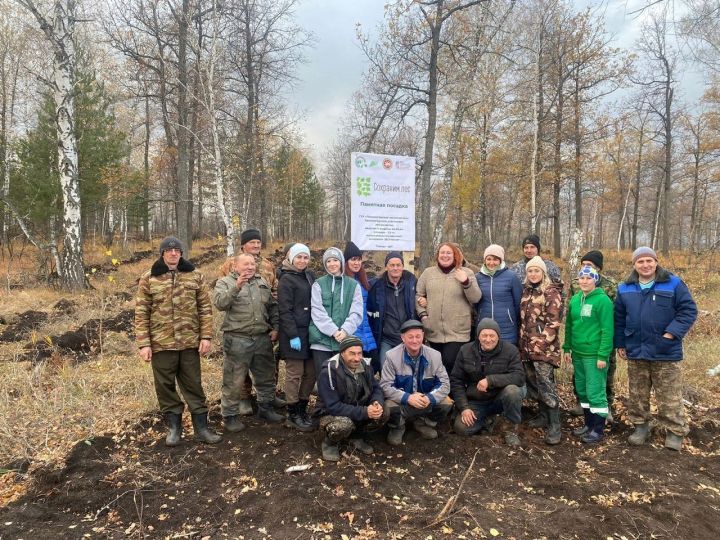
x=448 y=351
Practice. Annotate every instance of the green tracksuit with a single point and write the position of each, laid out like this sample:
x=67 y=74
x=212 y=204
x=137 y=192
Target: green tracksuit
x=589 y=337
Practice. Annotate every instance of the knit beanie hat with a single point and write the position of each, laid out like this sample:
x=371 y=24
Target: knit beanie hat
x=533 y=239
x=488 y=324
x=351 y=250
x=296 y=250
x=394 y=255
x=333 y=253
x=643 y=251
x=170 y=242
x=536 y=262
x=249 y=234
x=595 y=257
x=589 y=271
x=350 y=341
x=496 y=251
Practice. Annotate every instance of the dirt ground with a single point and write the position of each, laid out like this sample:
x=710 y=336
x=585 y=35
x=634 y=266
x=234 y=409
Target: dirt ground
x=127 y=484
x=131 y=485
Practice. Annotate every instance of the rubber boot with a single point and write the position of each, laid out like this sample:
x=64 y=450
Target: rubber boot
x=245 y=407
x=673 y=441
x=597 y=430
x=511 y=436
x=395 y=435
x=330 y=450
x=640 y=435
x=582 y=430
x=577 y=410
x=554 y=433
x=174 y=423
x=279 y=403
x=362 y=446
x=425 y=431
x=232 y=424
x=202 y=433
x=541 y=420
x=295 y=419
x=266 y=412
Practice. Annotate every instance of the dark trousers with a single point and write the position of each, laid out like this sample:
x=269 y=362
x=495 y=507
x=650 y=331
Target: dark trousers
x=448 y=351
x=319 y=358
x=183 y=368
x=396 y=414
x=508 y=402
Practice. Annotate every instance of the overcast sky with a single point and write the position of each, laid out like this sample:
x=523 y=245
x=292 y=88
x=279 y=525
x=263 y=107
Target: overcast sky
x=335 y=64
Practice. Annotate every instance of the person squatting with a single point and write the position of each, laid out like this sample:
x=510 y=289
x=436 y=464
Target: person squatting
x=396 y=352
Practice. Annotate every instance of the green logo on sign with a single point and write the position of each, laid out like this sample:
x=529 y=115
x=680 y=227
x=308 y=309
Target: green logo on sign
x=363 y=186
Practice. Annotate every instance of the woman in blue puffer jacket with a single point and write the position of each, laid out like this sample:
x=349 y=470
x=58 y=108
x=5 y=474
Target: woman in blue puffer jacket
x=354 y=269
x=501 y=293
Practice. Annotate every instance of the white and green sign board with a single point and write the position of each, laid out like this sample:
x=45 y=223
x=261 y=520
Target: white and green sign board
x=383 y=202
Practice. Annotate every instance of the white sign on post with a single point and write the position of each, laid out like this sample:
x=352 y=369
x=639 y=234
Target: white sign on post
x=382 y=202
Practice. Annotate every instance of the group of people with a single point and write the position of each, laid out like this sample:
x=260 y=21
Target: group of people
x=397 y=351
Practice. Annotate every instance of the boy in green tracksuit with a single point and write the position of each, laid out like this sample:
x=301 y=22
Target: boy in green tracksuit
x=589 y=342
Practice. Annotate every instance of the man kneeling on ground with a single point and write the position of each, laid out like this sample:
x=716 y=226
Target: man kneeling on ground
x=488 y=379
x=415 y=384
x=349 y=399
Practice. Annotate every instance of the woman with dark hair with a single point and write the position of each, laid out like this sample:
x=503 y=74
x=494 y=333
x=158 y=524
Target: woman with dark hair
x=294 y=306
x=446 y=295
x=354 y=269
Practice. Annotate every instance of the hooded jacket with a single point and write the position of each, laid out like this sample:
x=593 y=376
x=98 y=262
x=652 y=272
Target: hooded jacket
x=501 y=294
x=500 y=366
x=540 y=316
x=378 y=299
x=294 y=288
x=589 y=325
x=173 y=311
x=344 y=393
x=336 y=303
x=643 y=316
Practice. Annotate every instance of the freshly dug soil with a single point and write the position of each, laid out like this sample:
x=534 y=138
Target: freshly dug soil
x=132 y=486
x=23 y=325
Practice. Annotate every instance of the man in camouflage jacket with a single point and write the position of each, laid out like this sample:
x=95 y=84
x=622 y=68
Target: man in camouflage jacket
x=250 y=326
x=595 y=259
x=173 y=327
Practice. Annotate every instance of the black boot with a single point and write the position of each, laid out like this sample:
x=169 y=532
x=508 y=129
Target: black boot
x=202 y=433
x=597 y=429
x=582 y=430
x=266 y=412
x=174 y=423
x=554 y=433
x=233 y=424
x=295 y=419
x=541 y=420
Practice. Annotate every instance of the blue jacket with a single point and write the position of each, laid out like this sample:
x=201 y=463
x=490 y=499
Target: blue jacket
x=501 y=294
x=401 y=378
x=363 y=331
x=642 y=317
x=377 y=300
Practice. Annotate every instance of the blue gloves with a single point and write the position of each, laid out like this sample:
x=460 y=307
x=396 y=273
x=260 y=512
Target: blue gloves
x=295 y=344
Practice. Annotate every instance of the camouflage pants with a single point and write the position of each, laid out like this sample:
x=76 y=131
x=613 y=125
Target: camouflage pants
x=182 y=367
x=396 y=414
x=246 y=355
x=666 y=379
x=540 y=381
x=339 y=428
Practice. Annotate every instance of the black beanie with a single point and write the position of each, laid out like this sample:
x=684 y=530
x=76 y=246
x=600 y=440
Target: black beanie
x=595 y=257
x=488 y=324
x=249 y=234
x=351 y=250
x=394 y=255
x=533 y=239
x=170 y=242
x=350 y=341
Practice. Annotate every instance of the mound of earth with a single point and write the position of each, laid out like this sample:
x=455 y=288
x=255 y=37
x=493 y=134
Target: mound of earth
x=23 y=325
x=64 y=307
x=131 y=485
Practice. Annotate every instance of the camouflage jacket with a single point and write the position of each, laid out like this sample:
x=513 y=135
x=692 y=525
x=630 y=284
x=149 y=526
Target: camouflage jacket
x=250 y=311
x=265 y=268
x=609 y=285
x=172 y=309
x=552 y=270
x=540 y=316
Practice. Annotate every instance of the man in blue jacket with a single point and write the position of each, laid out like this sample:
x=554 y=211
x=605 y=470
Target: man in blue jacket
x=391 y=302
x=653 y=311
x=349 y=399
x=416 y=385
